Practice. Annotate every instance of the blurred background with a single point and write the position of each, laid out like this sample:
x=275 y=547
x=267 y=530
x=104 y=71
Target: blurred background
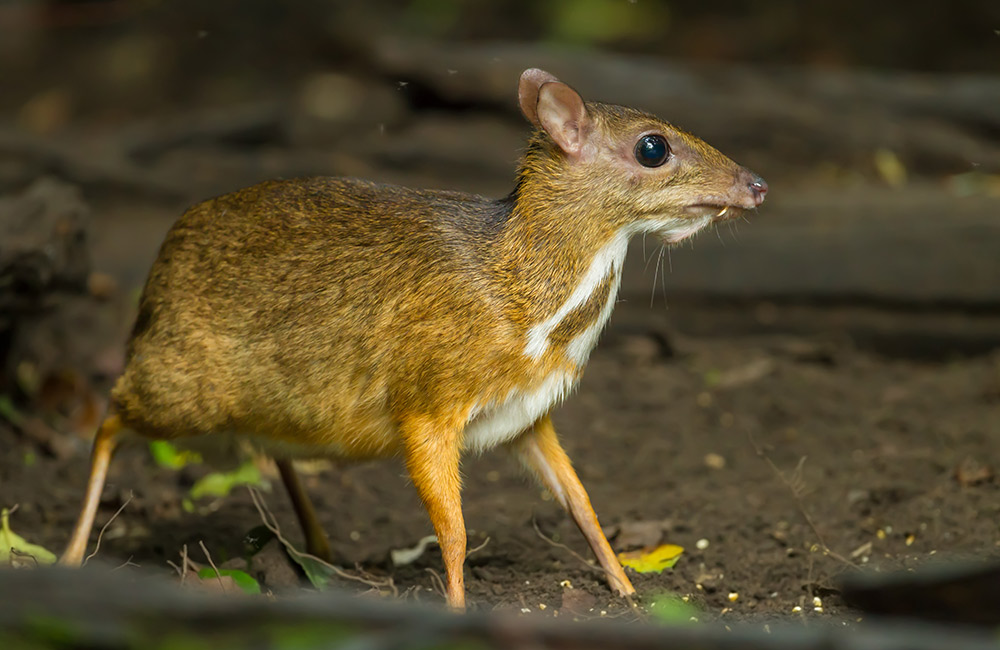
x=874 y=263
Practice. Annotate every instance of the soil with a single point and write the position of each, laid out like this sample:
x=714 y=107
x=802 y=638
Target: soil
x=782 y=450
x=778 y=463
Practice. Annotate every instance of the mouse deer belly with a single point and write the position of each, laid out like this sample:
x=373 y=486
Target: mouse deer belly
x=494 y=424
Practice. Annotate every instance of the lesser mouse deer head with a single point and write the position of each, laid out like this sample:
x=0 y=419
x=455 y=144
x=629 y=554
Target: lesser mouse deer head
x=628 y=165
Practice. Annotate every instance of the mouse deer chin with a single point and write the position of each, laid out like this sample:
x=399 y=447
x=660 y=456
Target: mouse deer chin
x=677 y=229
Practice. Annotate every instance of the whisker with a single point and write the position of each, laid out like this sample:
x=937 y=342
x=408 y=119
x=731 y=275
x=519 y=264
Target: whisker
x=656 y=269
x=648 y=259
x=663 y=280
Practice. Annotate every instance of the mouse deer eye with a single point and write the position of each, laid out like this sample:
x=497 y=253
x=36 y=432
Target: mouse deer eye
x=652 y=150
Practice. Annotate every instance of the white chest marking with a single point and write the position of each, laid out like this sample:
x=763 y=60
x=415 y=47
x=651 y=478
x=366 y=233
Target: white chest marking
x=495 y=424
x=607 y=260
x=582 y=344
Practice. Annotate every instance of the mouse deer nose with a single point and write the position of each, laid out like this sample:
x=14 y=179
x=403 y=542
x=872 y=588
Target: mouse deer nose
x=758 y=186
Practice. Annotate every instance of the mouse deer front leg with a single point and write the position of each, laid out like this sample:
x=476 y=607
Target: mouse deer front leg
x=539 y=450
x=432 y=450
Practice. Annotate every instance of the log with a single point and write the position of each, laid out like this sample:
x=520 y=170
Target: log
x=765 y=116
x=97 y=608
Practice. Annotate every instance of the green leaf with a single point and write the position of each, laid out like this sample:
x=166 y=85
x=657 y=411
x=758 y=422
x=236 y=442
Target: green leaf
x=169 y=456
x=220 y=484
x=242 y=579
x=673 y=610
x=318 y=573
x=10 y=412
x=10 y=541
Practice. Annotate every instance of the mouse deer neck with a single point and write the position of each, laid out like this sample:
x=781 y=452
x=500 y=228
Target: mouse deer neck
x=561 y=250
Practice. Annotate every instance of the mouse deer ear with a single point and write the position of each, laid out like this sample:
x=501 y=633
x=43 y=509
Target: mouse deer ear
x=527 y=92
x=563 y=115
x=555 y=107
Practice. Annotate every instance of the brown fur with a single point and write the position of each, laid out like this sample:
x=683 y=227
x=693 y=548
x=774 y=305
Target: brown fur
x=340 y=316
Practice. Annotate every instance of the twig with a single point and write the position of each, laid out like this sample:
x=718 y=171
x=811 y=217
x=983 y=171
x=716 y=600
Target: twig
x=271 y=523
x=795 y=487
x=477 y=548
x=553 y=542
x=184 y=562
x=126 y=563
x=100 y=535
x=21 y=554
x=180 y=574
x=438 y=583
x=208 y=556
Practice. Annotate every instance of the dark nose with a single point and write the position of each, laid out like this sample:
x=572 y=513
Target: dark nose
x=759 y=188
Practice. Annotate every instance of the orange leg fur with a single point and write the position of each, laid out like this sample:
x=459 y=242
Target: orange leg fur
x=104 y=446
x=316 y=541
x=539 y=450
x=432 y=452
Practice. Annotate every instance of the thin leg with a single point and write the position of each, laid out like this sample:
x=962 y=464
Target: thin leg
x=432 y=457
x=104 y=446
x=540 y=451
x=316 y=541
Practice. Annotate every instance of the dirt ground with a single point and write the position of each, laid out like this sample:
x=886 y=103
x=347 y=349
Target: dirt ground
x=779 y=449
x=753 y=453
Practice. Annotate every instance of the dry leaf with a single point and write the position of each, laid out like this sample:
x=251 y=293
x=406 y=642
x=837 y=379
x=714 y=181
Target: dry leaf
x=577 y=602
x=971 y=472
x=652 y=559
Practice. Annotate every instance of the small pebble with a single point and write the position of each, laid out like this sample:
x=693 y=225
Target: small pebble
x=701 y=544
x=715 y=461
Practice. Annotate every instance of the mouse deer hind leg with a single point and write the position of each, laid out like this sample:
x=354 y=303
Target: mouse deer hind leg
x=317 y=543
x=539 y=450
x=105 y=443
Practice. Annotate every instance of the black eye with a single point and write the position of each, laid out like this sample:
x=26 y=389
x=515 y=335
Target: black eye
x=652 y=150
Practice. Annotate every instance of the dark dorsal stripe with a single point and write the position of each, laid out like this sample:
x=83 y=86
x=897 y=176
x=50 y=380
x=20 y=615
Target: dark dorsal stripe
x=584 y=315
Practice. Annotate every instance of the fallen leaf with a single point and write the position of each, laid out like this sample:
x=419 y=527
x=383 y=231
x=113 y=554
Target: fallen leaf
x=577 y=602
x=220 y=484
x=971 y=472
x=745 y=374
x=13 y=545
x=673 y=610
x=638 y=534
x=890 y=167
x=241 y=579
x=168 y=456
x=318 y=573
x=652 y=559
x=404 y=556
x=216 y=584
